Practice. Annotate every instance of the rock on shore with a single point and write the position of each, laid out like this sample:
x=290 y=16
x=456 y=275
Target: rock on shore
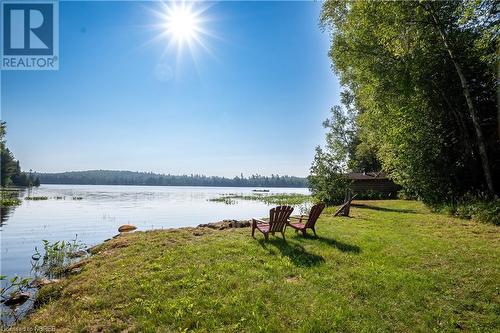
x=16 y=298
x=226 y=224
x=126 y=228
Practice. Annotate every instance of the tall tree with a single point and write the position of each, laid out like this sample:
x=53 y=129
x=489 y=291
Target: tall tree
x=10 y=170
x=423 y=75
x=8 y=165
x=441 y=25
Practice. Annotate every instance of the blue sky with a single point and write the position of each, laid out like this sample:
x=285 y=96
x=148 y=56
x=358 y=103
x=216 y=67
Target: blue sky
x=253 y=103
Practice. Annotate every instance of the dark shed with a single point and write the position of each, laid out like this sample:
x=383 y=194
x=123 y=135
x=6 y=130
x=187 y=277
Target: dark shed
x=373 y=183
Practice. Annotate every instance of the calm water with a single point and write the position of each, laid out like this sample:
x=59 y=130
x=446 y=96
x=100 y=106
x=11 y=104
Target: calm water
x=103 y=209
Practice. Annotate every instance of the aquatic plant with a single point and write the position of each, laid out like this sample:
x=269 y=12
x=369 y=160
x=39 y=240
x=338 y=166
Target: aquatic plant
x=224 y=199
x=13 y=293
x=9 y=197
x=292 y=199
x=57 y=257
x=13 y=285
x=37 y=198
x=6 y=202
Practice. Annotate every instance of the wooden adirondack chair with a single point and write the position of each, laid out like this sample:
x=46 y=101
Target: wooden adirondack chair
x=310 y=220
x=278 y=219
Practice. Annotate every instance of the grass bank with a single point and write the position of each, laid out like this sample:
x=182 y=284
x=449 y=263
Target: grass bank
x=392 y=266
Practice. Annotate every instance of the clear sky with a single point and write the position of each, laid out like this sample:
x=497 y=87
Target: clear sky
x=251 y=101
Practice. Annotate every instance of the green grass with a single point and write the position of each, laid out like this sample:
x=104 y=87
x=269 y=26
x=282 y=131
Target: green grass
x=392 y=266
x=292 y=199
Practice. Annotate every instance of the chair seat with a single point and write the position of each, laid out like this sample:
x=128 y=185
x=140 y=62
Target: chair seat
x=263 y=227
x=297 y=225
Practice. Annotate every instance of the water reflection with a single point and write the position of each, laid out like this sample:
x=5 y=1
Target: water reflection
x=6 y=211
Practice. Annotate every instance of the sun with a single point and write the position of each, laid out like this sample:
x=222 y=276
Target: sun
x=183 y=28
x=182 y=23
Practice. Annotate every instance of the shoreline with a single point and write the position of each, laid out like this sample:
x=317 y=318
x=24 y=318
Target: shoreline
x=36 y=284
x=389 y=254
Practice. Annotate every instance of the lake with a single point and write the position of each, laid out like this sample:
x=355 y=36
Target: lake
x=99 y=210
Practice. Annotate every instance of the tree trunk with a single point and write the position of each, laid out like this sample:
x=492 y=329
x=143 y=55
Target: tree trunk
x=472 y=110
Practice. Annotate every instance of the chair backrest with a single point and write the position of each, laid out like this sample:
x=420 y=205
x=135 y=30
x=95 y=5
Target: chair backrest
x=278 y=218
x=314 y=214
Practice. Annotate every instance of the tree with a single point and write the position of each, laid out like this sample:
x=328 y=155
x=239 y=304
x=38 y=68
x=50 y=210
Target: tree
x=114 y=177
x=8 y=165
x=10 y=170
x=326 y=180
x=441 y=27
x=344 y=151
x=343 y=140
x=415 y=112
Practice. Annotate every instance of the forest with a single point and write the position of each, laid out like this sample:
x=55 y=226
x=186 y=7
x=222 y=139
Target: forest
x=419 y=101
x=112 y=177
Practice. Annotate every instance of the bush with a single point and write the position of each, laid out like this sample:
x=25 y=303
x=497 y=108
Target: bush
x=478 y=209
x=487 y=212
x=326 y=182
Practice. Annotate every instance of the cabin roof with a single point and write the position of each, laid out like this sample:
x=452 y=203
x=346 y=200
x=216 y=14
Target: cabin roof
x=367 y=175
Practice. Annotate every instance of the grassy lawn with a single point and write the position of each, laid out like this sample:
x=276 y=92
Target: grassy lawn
x=392 y=266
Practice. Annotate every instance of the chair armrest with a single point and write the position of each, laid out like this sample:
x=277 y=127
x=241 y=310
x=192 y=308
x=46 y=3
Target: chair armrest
x=300 y=218
x=259 y=221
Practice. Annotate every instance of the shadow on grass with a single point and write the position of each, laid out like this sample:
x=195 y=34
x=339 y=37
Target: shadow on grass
x=296 y=252
x=344 y=247
x=395 y=210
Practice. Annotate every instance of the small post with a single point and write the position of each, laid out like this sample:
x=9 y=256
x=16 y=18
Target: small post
x=346 y=206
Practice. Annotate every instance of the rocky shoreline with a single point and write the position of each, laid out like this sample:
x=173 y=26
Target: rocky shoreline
x=226 y=224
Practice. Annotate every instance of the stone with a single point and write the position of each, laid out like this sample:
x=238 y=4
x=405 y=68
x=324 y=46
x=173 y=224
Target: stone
x=76 y=267
x=226 y=224
x=76 y=270
x=93 y=249
x=38 y=283
x=17 y=298
x=78 y=254
x=126 y=228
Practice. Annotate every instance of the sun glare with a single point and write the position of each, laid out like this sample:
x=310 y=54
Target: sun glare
x=181 y=23
x=181 y=26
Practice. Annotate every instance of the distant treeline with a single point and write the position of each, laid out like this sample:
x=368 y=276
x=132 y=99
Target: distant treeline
x=111 y=177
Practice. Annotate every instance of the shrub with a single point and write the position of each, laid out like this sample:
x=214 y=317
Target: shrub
x=478 y=208
x=326 y=182
x=487 y=212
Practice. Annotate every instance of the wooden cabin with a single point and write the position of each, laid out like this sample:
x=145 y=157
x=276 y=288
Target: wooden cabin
x=373 y=183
